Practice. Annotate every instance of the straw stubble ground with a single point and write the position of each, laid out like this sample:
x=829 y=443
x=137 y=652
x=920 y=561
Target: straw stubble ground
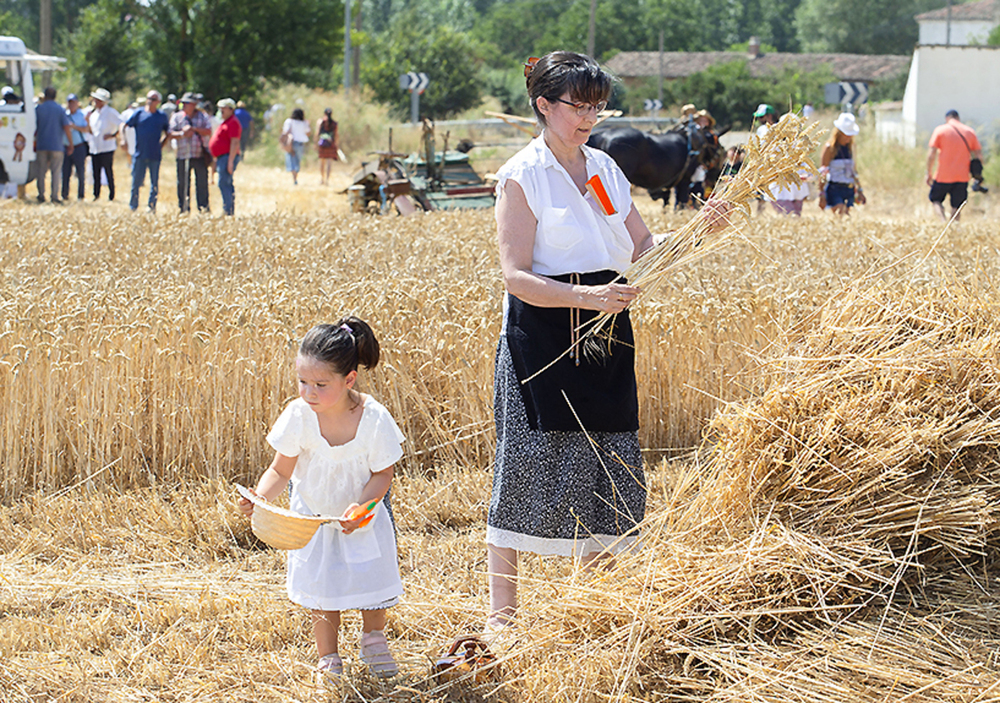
x=142 y=360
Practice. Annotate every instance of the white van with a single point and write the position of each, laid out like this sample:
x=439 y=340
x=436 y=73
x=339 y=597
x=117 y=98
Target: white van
x=17 y=109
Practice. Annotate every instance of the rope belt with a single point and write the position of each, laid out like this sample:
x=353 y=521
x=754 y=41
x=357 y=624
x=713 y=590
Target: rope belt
x=574 y=325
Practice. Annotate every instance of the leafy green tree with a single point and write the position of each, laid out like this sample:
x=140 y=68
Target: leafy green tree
x=619 y=23
x=20 y=18
x=517 y=28
x=860 y=26
x=229 y=47
x=449 y=58
x=103 y=51
x=731 y=93
x=15 y=21
x=462 y=15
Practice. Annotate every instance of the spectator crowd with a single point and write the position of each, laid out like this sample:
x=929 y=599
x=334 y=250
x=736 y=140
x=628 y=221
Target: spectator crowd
x=209 y=145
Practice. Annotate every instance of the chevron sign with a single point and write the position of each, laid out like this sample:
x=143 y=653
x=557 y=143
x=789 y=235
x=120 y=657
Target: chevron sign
x=844 y=92
x=414 y=81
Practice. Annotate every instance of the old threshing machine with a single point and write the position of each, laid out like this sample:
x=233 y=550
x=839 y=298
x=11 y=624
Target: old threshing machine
x=427 y=180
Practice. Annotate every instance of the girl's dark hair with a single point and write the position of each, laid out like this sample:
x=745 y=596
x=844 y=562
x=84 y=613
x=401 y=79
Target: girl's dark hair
x=297 y=114
x=562 y=71
x=343 y=345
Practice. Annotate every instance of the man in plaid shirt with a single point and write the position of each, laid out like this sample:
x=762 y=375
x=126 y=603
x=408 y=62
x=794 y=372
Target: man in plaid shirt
x=190 y=129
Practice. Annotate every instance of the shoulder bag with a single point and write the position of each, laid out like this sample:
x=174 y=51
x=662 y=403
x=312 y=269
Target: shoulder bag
x=975 y=165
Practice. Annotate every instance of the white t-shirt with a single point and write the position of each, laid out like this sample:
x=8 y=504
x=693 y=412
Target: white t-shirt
x=573 y=234
x=104 y=121
x=298 y=128
x=336 y=571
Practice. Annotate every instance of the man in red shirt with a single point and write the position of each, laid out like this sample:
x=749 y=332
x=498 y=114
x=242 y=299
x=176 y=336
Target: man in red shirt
x=953 y=145
x=225 y=147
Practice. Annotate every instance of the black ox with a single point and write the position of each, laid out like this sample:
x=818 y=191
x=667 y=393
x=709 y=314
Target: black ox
x=661 y=162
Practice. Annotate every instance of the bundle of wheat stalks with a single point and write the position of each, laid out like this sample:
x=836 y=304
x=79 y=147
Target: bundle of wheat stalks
x=772 y=160
x=840 y=542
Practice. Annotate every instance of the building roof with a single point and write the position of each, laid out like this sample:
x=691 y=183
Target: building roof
x=681 y=64
x=984 y=11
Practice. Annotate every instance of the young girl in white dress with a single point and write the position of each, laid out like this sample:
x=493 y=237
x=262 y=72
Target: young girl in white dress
x=337 y=447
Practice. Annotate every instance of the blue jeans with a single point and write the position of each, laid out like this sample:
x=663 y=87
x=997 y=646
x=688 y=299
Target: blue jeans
x=139 y=166
x=226 y=183
x=293 y=159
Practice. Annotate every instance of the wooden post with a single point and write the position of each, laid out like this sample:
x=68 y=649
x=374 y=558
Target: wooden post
x=592 y=28
x=44 y=39
x=659 y=90
x=357 y=48
x=347 y=48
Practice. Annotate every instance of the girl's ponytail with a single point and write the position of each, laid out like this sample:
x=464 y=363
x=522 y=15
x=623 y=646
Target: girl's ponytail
x=364 y=341
x=342 y=345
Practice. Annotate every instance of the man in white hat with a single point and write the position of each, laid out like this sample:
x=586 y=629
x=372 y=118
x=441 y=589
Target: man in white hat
x=953 y=145
x=104 y=125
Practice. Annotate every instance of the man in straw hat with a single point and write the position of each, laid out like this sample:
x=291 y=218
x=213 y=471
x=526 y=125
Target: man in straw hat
x=104 y=125
x=953 y=146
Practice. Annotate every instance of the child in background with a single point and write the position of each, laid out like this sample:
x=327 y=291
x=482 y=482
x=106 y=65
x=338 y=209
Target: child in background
x=337 y=447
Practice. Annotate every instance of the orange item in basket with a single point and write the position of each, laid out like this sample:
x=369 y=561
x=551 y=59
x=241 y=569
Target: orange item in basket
x=596 y=188
x=362 y=510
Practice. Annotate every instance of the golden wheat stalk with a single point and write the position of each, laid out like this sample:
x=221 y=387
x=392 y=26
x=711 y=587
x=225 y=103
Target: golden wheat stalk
x=775 y=159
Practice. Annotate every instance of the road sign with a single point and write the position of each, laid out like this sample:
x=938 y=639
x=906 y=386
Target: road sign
x=846 y=92
x=416 y=83
x=652 y=105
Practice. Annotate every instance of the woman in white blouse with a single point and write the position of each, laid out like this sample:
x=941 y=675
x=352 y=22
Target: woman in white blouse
x=561 y=253
x=299 y=132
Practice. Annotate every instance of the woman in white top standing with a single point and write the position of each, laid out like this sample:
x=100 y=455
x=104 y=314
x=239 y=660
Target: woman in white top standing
x=300 y=134
x=561 y=254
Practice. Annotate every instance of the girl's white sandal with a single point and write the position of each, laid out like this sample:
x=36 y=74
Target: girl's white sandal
x=375 y=653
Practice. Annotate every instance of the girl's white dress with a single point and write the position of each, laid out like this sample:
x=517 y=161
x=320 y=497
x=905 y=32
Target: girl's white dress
x=336 y=571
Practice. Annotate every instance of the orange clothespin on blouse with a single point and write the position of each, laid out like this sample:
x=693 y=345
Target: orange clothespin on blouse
x=596 y=189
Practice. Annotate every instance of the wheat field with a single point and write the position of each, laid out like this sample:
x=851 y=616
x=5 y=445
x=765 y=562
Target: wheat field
x=142 y=360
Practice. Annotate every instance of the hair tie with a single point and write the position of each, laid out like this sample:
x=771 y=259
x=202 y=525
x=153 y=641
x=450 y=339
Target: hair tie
x=529 y=65
x=347 y=329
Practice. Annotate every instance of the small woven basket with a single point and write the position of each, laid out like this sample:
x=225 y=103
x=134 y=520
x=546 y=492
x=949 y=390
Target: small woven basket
x=281 y=528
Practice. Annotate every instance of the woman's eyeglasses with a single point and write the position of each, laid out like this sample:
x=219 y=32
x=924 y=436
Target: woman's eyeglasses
x=584 y=108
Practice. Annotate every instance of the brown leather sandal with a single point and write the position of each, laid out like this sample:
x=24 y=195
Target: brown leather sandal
x=467 y=656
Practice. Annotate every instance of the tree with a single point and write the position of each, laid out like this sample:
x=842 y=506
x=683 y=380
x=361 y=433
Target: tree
x=860 y=26
x=449 y=58
x=20 y=18
x=103 y=51
x=229 y=47
x=622 y=23
x=517 y=28
x=731 y=93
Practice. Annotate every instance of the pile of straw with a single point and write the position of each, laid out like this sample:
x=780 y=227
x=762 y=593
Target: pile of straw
x=839 y=542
